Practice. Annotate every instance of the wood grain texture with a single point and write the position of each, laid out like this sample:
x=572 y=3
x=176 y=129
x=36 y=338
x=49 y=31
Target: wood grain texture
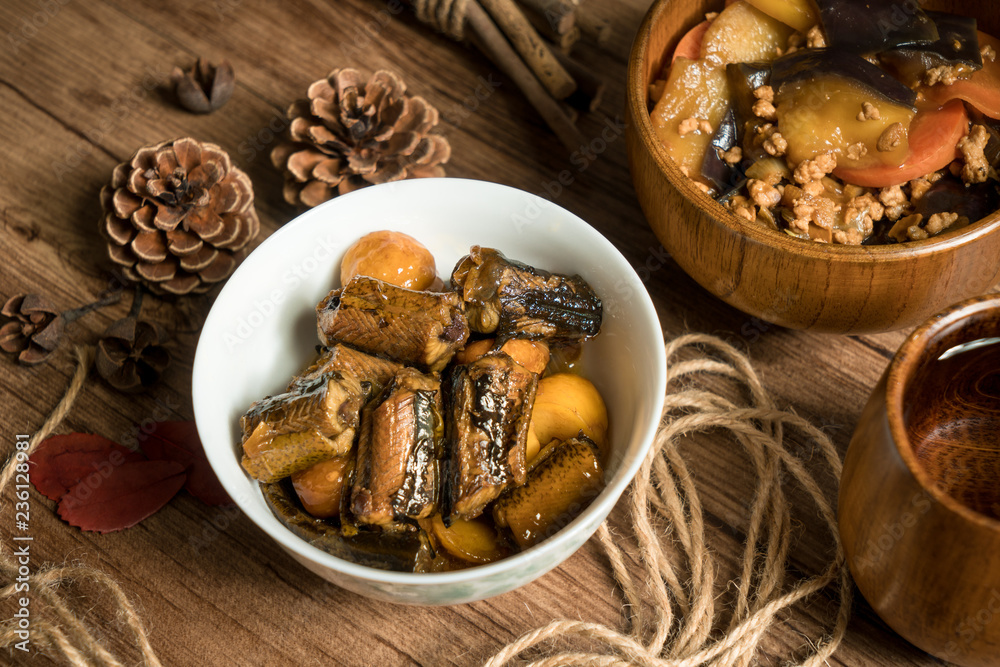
x=82 y=88
x=925 y=557
x=832 y=288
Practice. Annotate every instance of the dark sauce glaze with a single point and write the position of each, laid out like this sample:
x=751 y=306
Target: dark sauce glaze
x=953 y=425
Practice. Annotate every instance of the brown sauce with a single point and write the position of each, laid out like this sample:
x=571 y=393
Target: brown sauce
x=953 y=424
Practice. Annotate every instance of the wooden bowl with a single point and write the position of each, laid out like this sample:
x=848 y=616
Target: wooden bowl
x=919 y=505
x=768 y=274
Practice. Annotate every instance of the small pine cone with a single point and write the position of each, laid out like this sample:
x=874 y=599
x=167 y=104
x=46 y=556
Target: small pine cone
x=350 y=134
x=178 y=216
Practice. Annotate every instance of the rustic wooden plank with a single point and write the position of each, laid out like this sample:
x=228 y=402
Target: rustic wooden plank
x=205 y=578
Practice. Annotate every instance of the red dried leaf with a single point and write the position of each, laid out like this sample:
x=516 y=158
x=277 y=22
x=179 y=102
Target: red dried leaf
x=127 y=495
x=179 y=441
x=62 y=461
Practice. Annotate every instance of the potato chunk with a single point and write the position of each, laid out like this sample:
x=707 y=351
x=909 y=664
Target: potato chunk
x=741 y=33
x=699 y=91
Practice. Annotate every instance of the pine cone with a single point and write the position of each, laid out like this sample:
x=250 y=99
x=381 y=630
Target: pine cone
x=350 y=134
x=177 y=216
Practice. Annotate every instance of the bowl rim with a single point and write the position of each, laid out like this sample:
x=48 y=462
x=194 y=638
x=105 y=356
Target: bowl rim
x=635 y=94
x=600 y=506
x=908 y=359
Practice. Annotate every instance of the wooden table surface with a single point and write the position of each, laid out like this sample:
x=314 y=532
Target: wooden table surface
x=83 y=84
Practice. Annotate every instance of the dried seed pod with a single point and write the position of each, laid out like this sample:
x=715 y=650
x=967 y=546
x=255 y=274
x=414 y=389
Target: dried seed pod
x=204 y=87
x=130 y=353
x=34 y=329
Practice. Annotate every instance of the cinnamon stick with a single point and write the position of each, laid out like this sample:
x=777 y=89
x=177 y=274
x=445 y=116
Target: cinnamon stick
x=562 y=42
x=495 y=47
x=530 y=45
x=590 y=88
x=593 y=27
x=559 y=15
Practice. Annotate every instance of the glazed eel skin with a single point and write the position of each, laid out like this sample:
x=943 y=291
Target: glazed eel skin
x=423 y=329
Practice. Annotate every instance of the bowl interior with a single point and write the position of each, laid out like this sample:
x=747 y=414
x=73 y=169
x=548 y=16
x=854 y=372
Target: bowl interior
x=664 y=25
x=943 y=404
x=261 y=329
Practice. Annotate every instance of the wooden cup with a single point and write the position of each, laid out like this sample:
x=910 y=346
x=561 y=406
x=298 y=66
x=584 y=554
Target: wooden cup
x=926 y=561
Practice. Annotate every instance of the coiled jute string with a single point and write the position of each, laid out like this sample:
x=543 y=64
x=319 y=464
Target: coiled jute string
x=673 y=621
x=671 y=611
x=54 y=626
x=447 y=16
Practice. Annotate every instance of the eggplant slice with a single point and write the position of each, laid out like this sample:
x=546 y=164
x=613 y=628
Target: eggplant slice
x=399 y=452
x=487 y=431
x=814 y=65
x=408 y=551
x=957 y=48
x=424 y=329
x=513 y=300
x=865 y=27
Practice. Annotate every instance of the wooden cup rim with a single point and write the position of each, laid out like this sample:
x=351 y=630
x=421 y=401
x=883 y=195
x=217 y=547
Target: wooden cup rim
x=928 y=341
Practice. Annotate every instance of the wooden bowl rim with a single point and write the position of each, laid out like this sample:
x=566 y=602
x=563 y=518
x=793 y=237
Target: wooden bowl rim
x=904 y=364
x=635 y=91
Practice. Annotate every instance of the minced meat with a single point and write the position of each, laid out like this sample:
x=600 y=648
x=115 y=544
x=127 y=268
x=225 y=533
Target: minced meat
x=977 y=167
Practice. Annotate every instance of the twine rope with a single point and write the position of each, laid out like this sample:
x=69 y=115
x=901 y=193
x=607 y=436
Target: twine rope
x=54 y=626
x=675 y=624
x=447 y=16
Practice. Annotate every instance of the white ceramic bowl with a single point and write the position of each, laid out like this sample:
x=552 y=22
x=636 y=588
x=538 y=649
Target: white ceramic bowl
x=262 y=330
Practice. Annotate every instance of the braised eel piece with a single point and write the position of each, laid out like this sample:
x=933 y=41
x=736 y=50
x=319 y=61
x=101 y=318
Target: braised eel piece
x=408 y=551
x=513 y=300
x=564 y=478
x=399 y=452
x=315 y=420
x=342 y=358
x=486 y=431
x=416 y=328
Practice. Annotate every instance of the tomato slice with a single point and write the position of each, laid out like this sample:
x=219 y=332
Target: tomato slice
x=981 y=90
x=933 y=135
x=690 y=44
